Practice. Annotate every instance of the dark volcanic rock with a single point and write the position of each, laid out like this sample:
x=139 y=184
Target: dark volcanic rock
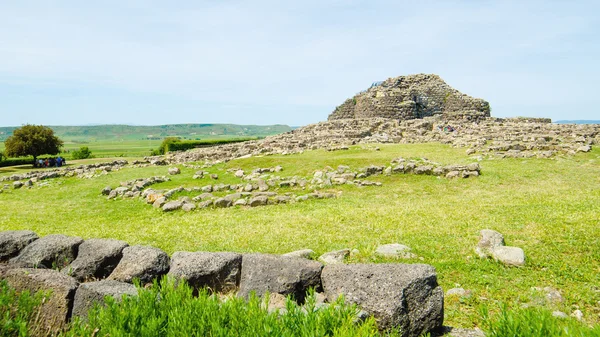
x=97 y=258
x=398 y=295
x=12 y=242
x=218 y=271
x=278 y=274
x=51 y=251
x=56 y=310
x=141 y=262
x=94 y=292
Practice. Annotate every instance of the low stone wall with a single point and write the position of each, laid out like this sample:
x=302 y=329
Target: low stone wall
x=80 y=273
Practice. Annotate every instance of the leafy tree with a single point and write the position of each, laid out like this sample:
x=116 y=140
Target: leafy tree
x=83 y=153
x=32 y=140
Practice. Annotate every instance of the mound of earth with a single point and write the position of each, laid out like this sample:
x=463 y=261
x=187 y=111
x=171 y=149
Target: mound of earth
x=410 y=97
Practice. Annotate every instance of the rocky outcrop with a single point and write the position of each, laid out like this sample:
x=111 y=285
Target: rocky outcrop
x=142 y=263
x=410 y=97
x=96 y=259
x=88 y=294
x=220 y=272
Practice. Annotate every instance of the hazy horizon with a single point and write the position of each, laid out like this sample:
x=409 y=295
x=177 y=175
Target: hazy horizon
x=270 y=62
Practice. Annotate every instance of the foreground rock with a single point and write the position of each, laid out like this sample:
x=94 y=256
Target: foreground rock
x=56 y=310
x=94 y=292
x=263 y=273
x=12 y=242
x=141 y=262
x=51 y=251
x=97 y=258
x=220 y=272
x=398 y=295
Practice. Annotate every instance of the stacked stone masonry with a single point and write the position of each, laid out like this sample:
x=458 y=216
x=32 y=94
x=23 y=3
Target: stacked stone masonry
x=405 y=296
x=410 y=97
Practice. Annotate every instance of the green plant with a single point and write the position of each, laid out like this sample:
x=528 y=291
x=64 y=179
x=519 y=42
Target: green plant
x=83 y=153
x=533 y=322
x=17 y=311
x=167 y=309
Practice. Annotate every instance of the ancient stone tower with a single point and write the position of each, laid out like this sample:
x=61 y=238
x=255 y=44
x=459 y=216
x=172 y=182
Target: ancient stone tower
x=410 y=97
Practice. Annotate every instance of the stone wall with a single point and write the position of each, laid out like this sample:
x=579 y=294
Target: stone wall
x=81 y=272
x=409 y=97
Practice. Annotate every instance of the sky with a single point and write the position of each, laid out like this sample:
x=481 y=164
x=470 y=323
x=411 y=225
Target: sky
x=286 y=62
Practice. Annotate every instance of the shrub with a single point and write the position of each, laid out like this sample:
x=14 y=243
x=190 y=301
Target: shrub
x=83 y=153
x=178 y=313
x=17 y=311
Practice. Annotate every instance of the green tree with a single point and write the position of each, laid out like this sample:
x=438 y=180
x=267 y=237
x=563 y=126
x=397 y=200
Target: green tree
x=32 y=140
x=83 y=153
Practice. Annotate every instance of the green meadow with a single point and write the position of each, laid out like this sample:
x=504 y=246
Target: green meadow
x=548 y=207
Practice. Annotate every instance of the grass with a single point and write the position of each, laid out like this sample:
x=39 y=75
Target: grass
x=550 y=208
x=17 y=311
x=534 y=322
x=178 y=313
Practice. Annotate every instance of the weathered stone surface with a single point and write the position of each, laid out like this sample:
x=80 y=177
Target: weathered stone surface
x=398 y=295
x=258 y=201
x=412 y=96
x=12 y=242
x=263 y=273
x=218 y=271
x=141 y=262
x=188 y=207
x=56 y=310
x=511 y=256
x=174 y=170
x=94 y=292
x=335 y=257
x=51 y=251
x=97 y=258
x=223 y=202
x=172 y=206
x=303 y=253
x=488 y=240
x=395 y=250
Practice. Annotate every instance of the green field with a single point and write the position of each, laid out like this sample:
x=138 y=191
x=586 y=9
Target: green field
x=548 y=207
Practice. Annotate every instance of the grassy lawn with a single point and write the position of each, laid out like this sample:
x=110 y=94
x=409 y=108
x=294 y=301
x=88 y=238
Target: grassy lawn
x=548 y=207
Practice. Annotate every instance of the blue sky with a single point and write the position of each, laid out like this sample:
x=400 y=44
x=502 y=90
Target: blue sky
x=267 y=62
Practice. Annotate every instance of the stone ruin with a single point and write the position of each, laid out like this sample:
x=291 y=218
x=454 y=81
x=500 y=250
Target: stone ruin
x=81 y=272
x=410 y=97
x=414 y=109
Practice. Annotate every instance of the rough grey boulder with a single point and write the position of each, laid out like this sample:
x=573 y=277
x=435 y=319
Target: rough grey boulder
x=223 y=202
x=51 y=251
x=218 y=271
x=334 y=257
x=511 y=256
x=172 y=206
x=174 y=170
x=94 y=292
x=97 y=258
x=395 y=250
x=263 y=273
x=12 y=242
x=56 y=309
x=398 y=295
x=488 y=240
x=141 y=262
x=260 y=200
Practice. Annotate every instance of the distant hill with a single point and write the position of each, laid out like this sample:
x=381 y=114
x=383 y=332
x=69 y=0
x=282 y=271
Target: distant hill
x=136 y=132
x=582 y=121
